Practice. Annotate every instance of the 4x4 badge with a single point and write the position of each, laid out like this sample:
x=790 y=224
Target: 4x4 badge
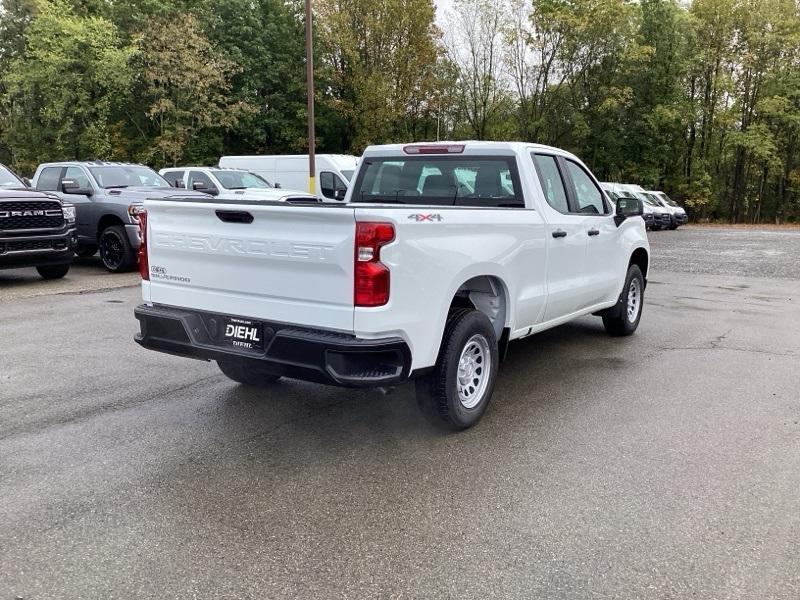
x=426 y=217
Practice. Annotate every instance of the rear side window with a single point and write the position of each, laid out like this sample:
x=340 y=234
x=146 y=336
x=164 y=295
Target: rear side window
x=329 y=183
x=174 y=178
x=79 y=176
x=49 y=179
x=552 y=184
x=197 y=176
x=481 y=181
x=587 y=195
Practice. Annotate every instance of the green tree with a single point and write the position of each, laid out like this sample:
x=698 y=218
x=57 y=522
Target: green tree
x=186 y=85
x=265 y=38
x=378 y=61
x=61 y=93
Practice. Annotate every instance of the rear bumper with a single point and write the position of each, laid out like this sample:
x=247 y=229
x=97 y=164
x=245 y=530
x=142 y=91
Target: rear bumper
x=18 y=251
x=309 y=354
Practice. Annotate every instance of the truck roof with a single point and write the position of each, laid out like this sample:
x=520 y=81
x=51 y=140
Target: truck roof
x=89 y=163
x=470 y=147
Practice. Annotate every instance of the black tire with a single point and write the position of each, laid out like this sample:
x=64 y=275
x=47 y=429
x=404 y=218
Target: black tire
x=438 y=394
x=85 y=251
x=116 y=251
x=53 y=271
x=247 y=374
x=619 y=320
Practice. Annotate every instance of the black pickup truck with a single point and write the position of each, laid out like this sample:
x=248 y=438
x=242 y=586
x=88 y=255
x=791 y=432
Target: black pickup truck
x=36 y=229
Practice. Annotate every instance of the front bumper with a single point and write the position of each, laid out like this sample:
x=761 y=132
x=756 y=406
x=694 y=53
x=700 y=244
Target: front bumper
x=134 y=236
x=309 y=354
x=17 y=251
x=680 y=218
x=662 y=221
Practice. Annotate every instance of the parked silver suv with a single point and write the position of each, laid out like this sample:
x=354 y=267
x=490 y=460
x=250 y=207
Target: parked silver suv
x=108 y=197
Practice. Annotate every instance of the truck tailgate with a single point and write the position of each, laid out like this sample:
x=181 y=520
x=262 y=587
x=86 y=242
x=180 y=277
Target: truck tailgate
x=284 y=263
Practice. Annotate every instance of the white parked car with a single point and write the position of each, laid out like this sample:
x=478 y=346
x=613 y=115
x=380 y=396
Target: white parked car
x=656 y=216
x=333 y=171
x=678 y=214
x=231 y=183
x=619 y=188
x=443 y=254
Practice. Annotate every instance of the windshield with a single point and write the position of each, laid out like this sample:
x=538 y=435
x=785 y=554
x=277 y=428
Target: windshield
x=664 y=198
x=348 y=174
x=647 y=199
x=239 y=180
x=9 y=180
x=122 y=176
x=440 y=180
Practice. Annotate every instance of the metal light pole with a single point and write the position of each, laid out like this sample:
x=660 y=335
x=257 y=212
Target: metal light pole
x=312 y=167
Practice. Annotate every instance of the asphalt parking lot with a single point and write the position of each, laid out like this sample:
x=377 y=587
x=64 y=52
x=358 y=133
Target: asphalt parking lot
x=665 y=465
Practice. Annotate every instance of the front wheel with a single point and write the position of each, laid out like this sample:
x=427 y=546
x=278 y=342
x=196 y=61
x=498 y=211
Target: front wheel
x=623 y=319
x=116 y=251
x=456 y=394
x=53 y=271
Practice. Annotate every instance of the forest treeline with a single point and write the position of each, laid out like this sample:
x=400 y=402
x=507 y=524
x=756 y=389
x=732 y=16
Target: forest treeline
x=700 y=99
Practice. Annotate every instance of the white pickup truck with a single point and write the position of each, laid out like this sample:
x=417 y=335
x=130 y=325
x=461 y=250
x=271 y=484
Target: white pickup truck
x=441 y=255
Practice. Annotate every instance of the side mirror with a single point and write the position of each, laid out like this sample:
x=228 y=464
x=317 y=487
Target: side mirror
x=277 y=185
x=180 y=184
x=340 y=194
x=70 y=186
x=628 y=207
x=199 y=186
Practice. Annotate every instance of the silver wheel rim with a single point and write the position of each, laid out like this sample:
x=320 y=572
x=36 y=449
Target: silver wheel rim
x=474 y=368
x=634 y=300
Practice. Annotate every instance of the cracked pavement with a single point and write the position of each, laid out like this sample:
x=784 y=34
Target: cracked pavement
x=665 y=465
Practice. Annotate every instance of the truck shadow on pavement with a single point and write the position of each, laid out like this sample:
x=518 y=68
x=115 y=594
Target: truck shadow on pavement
x=326 y=415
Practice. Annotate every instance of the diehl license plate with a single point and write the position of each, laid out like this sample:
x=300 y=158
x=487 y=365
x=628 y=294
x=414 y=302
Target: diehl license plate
x=244 y=334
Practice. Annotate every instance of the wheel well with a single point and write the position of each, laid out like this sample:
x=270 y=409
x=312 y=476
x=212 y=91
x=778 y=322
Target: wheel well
x=487 y=294
x=641 y=260
x=107 y=221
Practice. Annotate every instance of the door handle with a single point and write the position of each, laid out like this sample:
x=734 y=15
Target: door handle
x=594 y=231
x=234 y=216
x=559 y=233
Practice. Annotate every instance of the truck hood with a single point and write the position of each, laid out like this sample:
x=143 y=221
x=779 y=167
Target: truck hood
x=274 y=194
x=141 y=193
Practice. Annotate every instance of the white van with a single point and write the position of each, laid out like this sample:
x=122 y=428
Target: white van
x=333 y=171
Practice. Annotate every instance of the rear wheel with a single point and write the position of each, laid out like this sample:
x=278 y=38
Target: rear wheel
x=53 y=271
x=116 y=251
x=246 y=374
x=623 y=319
x=456 y=394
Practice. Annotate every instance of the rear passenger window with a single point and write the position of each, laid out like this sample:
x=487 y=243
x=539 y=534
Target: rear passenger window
x=587 y=194
x=78 y=176
x=481 y=181
x=174 y=178
x=49 y=179
x=552 y=185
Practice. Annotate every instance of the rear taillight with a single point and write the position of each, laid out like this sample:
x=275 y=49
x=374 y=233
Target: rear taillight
x=371 y=275
x=144 y=266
